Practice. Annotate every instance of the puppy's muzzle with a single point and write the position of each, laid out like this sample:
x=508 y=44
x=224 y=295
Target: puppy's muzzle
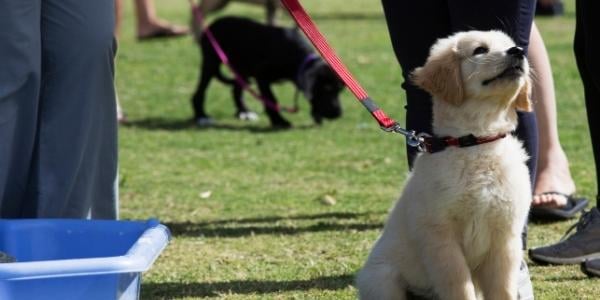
x=516 y=52
x=515 y=69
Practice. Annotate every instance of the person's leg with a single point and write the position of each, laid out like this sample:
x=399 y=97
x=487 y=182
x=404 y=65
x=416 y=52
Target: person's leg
x=77 y=140
x=588 y=62
x=587 y=49
x=20 y=74
x=553 y=173
x=412 y=48
x=584 y=244
x=118 y=16
x=150 y=26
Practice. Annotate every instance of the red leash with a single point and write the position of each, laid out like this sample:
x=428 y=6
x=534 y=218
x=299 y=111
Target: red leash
x=318 y=40
x=225 y=60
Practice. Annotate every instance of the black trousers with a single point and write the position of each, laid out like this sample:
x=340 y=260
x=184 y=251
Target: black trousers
x=415 y=25
x=587 y=54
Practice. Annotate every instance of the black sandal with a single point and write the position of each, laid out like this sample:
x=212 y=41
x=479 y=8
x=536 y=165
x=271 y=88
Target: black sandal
x=569 y=211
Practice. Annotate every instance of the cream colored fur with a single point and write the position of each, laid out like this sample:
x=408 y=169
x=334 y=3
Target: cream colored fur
x=455 y=232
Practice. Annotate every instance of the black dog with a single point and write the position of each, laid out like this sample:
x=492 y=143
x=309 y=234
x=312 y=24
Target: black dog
x=267 y=54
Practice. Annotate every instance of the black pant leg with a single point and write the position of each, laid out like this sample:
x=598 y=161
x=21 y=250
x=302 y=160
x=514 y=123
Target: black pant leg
x=414 y=26
x=587 y=51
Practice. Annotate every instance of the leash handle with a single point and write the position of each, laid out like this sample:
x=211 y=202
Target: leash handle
x=318 y=40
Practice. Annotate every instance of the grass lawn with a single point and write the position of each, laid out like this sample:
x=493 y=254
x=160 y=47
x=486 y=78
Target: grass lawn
x=263 y=233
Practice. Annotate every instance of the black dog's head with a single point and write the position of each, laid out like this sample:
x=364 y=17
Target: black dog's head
x=322 y=89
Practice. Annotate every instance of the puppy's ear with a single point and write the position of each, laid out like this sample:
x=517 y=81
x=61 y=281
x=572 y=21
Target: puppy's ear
x=523 y=101
x=441 y=77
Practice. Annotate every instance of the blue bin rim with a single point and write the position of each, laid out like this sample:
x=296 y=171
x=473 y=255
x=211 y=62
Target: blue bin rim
x=138 y=258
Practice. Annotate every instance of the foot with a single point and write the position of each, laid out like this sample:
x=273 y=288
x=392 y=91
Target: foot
x=553 y=176
x=160 y=29
x=247 y=116
x=591 y=267
x=121 y=116
x=204 y=121
x=279 y=122
x=582 y=245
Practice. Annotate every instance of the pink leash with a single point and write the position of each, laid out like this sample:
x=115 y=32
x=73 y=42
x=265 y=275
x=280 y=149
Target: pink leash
x=223 y=57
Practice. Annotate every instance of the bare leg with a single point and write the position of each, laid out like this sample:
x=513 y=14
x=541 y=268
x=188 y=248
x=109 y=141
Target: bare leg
x=118 y=16
x=553 y=166
x=148 y=24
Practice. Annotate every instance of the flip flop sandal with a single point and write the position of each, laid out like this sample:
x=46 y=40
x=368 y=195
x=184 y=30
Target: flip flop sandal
x=162 y=33
x=573 y=206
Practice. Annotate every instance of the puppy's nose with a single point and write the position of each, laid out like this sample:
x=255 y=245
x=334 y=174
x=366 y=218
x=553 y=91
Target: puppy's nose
x=516 y=52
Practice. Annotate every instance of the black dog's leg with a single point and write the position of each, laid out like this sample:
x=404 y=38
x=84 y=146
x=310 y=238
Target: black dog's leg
x=209 y=68
x=242 y=112
x=274 y=116
x=271 y=8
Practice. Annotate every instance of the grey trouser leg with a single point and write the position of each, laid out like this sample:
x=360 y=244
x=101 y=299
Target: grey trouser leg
x=61 y=154
x=20 y=76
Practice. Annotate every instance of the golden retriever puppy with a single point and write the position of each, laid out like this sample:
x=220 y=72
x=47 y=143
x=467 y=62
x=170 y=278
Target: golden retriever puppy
x=455 y=232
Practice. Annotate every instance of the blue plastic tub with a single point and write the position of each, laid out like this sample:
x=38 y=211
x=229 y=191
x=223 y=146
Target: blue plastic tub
x=77 y=259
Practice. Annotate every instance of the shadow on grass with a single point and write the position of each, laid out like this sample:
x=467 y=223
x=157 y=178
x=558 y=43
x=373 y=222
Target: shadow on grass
x=581 y=277
x=237 y=227
x=170 y=290
x=331 y=215
x=188 y=124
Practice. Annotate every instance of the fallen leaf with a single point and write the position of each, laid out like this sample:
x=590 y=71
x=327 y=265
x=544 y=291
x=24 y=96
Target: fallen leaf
x=328 y=200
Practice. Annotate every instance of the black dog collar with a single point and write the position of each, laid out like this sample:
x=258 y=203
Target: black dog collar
x=432 y=144
x=303 y=66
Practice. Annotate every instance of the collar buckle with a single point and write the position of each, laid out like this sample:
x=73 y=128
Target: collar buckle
x=412 y=138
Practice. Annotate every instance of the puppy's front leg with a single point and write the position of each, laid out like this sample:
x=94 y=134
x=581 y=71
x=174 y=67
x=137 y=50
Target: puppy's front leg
x=446 y=266
x=276 y=119
x=379 y=281
x=498 y=274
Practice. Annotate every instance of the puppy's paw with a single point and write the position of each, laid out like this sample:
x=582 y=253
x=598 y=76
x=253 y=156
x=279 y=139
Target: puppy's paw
x=247 y=116
x=281 y=124
x=204 y=121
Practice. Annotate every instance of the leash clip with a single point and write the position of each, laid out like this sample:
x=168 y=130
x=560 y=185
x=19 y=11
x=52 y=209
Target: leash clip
x=412 y=139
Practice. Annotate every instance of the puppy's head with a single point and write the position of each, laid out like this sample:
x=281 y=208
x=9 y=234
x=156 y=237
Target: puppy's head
x=476 y=66
x=322 y=89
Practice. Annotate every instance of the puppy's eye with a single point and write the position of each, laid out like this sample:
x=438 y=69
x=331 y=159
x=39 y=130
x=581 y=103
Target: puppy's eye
x=480 y=50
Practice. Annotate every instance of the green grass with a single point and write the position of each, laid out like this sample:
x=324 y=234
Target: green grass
x=263 y=233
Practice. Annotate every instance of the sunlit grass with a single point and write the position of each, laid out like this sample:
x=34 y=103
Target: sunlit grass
x=263 y=233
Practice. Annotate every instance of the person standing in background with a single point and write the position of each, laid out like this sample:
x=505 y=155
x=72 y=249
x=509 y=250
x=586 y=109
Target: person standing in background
x=58 y=133
x=148 y=25
x=583 y=246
